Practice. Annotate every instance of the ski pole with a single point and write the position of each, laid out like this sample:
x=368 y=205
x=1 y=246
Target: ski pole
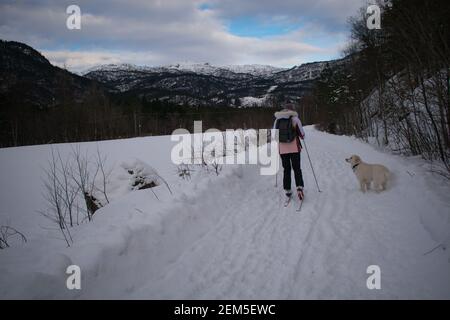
x=276 y=179
x=312 y=168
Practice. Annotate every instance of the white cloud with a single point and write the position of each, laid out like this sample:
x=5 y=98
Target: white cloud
x=158 y=32
x=277 y=52
x=330 y=14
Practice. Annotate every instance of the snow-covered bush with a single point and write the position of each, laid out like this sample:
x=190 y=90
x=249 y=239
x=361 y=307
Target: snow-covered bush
x=74 y=186
x=138 y=175
x=141 y=175
x=184 y=171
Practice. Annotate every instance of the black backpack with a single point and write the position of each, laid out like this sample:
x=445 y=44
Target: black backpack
x=286 y=130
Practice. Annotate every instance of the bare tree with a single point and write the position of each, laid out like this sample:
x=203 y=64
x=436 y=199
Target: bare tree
x=6 y=232
x=184 y=171
x=71 y=182
x=54 y=195
x=85 y=180
x=69 y=190
x=101 y=160
x=217 y=167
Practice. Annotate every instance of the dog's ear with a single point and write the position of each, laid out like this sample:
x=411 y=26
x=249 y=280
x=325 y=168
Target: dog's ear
x=357 y=159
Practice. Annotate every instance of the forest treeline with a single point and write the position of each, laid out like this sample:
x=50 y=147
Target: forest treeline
x=101 y=116
x=394 y=85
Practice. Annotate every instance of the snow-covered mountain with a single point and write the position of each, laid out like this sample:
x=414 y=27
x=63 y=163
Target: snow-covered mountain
x=198 y=68
x=200 y=84
x=205 y=84
x=254 y=69
x=304 y=72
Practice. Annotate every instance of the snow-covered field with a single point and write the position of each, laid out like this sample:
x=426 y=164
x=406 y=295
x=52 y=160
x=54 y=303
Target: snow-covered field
x=228 y=236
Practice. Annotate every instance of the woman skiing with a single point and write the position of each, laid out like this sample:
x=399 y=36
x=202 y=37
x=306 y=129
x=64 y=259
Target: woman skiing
x=290 y=131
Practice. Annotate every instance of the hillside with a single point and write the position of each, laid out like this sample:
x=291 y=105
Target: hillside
x=204 y=84
x=27 y=78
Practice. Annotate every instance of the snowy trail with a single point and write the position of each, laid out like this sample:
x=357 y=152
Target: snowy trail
x=255 y=248
x=234 y=240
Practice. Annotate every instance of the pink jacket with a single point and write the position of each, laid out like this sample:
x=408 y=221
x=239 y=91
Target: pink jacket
x=295 y=145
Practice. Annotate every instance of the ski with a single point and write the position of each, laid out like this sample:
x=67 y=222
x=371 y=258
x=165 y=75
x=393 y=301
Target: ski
x=301 y=199
x=287 y=201
x=300 y=206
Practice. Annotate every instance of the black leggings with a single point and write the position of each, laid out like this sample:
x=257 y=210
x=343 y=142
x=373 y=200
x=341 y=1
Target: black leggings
x=294 y=159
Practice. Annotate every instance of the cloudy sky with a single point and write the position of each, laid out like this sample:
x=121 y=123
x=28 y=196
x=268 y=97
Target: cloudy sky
x=157 y=32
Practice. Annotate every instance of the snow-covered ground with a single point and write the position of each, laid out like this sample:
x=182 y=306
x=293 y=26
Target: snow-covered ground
x=257 y=101
x=228 y=236
x=253 y=101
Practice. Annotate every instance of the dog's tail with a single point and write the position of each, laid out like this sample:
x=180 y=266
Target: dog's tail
x=389 y=178
x=387 y=175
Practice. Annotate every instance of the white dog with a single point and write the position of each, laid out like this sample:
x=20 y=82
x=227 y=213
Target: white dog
x=366 y=173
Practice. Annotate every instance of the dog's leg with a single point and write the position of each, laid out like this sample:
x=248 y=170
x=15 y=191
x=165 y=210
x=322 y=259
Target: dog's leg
x=362 y=186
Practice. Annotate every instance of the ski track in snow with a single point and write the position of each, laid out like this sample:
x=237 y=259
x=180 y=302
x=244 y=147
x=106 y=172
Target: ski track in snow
x=235 y=240
x=258 y=249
